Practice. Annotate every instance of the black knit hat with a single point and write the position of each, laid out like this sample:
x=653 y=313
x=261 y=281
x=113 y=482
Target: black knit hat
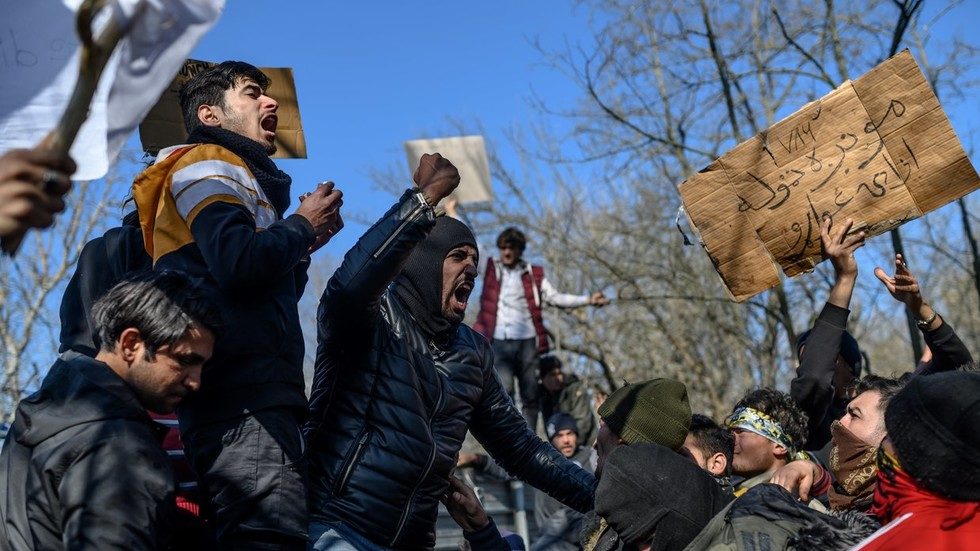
x=934 y=423
x=648 y=491
x=849 y=350
x=419 y=284
x=652 y=411
x=559 y=422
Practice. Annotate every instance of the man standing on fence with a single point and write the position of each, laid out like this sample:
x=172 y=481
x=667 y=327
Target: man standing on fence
x=514 y=293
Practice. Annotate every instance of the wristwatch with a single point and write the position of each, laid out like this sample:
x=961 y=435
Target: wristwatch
x=924 y=324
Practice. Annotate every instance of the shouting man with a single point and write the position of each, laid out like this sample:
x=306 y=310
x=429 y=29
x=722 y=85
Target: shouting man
x=400 y=379
x=214 y=208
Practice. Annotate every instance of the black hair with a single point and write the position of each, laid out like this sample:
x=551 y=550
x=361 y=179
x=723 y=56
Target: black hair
x=884 y=386
x=513 y=237
x=712 y=438
x=208 y=88
x=782 y=409
x=548 y=363
x=162 y=306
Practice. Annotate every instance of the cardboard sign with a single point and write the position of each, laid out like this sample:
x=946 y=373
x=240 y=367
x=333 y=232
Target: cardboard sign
x=878 y=150
x=468 y=154
x=164 y=125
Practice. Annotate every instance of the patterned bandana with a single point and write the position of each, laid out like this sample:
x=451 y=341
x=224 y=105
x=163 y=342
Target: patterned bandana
x=753 y=420
x=853 y=464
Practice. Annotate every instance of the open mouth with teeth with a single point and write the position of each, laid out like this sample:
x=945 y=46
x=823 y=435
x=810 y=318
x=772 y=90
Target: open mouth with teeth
x=269 y=124
x=461 y=295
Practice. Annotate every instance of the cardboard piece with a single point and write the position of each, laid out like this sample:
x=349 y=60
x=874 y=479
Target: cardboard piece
x=164 y=124
x=879 y=150
x=469 y=154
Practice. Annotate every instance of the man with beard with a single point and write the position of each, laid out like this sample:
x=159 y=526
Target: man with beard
x=560 y=525
x=82 y=467
x=214 y=208
x=399 y=379
x=855 y=440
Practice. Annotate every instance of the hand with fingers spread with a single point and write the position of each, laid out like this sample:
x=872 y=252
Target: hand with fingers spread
x=904 y=287
x=32 y=183
x=798 y=477
x=839 y=247
x=463 y=505
x=322 y=208
x=436 y=178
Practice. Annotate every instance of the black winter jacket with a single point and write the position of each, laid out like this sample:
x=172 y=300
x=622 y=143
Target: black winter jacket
x=82 y=466
x=389 y=409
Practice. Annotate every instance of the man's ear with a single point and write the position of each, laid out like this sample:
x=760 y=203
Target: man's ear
x=209 y=115
x=130 y=345
x=779 y=451
x=717 y=464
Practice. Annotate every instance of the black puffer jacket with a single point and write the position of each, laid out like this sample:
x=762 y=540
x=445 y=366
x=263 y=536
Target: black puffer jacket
x=82 y=467
x=389 y=409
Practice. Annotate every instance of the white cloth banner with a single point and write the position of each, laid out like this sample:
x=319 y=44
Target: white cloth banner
x=39 y=56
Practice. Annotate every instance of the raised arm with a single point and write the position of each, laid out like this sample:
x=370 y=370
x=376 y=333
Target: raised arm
x=812 y=388
x=948 y=351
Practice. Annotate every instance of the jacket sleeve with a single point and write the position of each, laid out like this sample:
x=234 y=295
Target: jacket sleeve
x=812 y=388
x=355 y=289
x=241 y=258
x=116 y=494
x=487 y=538
x=504 y=433
x=948 y=351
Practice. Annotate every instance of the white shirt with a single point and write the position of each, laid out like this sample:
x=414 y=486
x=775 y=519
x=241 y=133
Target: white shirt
x=513 y=316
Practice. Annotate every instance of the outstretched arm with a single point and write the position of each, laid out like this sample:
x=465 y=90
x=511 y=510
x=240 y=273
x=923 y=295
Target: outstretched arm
x=504 y=432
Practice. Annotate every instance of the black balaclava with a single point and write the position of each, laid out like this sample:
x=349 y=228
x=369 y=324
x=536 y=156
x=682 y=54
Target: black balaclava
x=419 y=284
x=274 y=182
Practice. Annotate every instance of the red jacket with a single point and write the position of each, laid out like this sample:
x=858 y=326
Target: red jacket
x=919 y=519
x=486 y=320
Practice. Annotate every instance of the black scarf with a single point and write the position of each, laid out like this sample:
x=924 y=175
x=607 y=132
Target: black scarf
x=274 y=182
x=419 y=284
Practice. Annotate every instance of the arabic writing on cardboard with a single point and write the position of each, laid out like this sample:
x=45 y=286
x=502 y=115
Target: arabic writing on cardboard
x=878 y=149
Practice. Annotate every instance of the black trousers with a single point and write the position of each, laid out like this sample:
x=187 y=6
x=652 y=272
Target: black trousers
x=252 y=467
x=518 y=358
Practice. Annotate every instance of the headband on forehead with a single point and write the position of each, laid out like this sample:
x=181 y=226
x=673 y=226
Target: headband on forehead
x=753 y=420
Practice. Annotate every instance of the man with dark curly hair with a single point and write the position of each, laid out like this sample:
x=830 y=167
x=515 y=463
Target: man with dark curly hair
x=770 y=431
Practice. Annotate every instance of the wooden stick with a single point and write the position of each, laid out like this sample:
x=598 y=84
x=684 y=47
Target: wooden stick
x=94 y=55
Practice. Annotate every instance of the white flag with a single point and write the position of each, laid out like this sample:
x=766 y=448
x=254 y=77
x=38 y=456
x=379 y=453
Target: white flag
x=39 y=56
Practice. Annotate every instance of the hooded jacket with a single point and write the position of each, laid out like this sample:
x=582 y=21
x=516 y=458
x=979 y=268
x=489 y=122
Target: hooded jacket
x=390 y=408
x=82 y=466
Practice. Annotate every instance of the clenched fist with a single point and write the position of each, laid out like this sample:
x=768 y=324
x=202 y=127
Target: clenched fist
x=436 y=178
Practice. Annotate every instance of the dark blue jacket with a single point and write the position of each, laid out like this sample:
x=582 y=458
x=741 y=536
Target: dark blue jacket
x=390 y=409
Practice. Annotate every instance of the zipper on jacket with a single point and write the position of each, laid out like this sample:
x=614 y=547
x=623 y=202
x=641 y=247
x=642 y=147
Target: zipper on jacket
x=425 y=473
x=348 y=470
x=411 y=218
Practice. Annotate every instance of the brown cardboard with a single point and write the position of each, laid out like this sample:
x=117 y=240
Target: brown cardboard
x=164 y=126
x=878 y=149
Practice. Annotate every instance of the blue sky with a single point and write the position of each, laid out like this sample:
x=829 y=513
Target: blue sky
x=371 y=75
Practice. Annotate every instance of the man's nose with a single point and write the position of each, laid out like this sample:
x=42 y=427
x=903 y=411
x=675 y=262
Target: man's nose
x=193 y=380
x=270 y=103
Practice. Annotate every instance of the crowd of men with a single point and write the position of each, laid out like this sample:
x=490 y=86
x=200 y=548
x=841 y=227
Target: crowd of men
x=190 y=308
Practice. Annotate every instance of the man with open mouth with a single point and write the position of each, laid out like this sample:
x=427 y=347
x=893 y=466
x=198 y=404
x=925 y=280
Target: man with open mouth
x=399 y=379
x=214 y=208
